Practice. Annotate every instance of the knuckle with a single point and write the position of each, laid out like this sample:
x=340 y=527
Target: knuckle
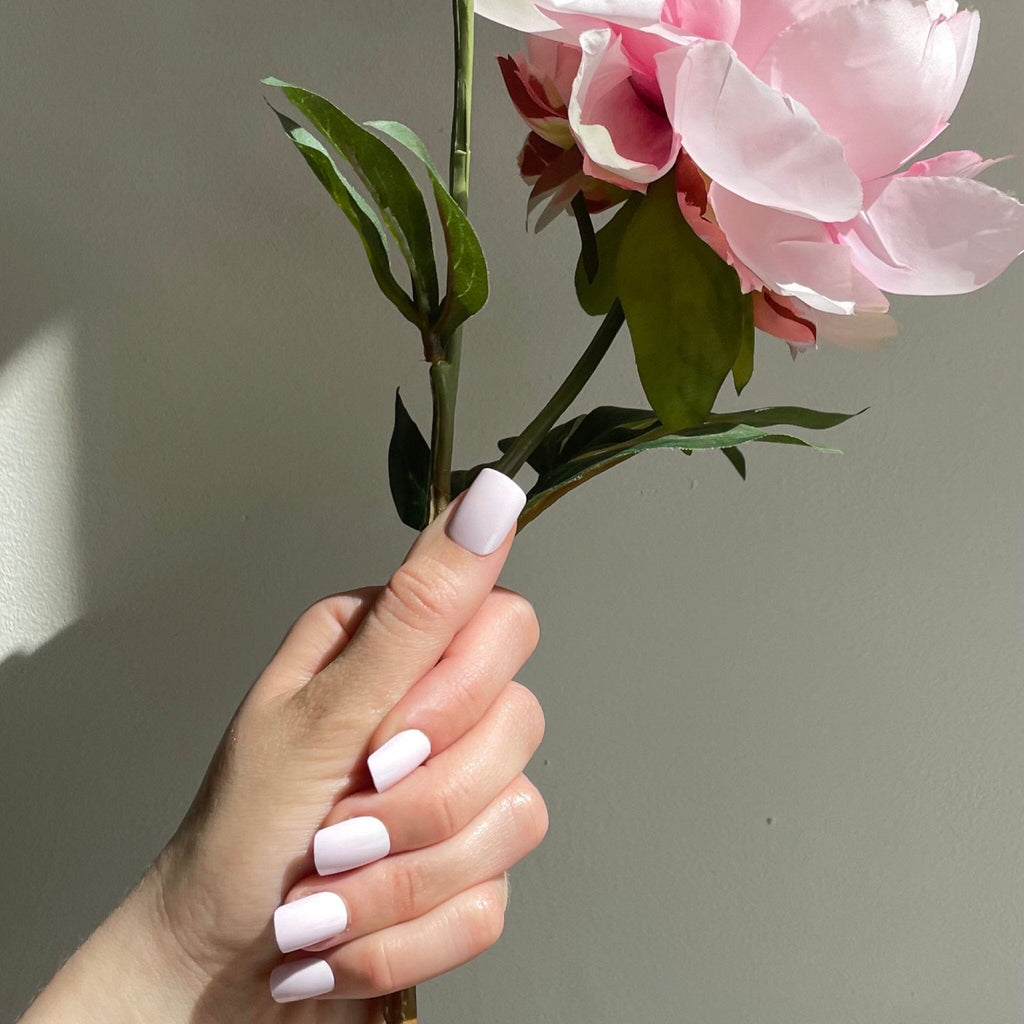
x=332 y=609
x=419 y=592
x=529 y=814
x=405 y=884
x=465 y=686
x=446 y=808
x=311 y=703
x=524 y=619
x=483 y=919
x=313 y=615
x=523 y=707
x=376 y=971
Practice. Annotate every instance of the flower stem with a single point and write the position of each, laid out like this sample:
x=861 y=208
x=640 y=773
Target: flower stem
x=458 y=167
x=400 y=1007
x=525 y=444
x=444 y=388
x=444 y=372
x=588 y=237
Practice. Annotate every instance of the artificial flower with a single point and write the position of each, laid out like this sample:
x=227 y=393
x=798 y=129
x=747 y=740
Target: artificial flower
x=790 y=126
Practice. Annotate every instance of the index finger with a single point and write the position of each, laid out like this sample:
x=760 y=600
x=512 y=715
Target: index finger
x=444 y=579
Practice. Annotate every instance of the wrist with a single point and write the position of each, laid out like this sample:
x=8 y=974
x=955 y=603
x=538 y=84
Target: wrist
x=130 y=970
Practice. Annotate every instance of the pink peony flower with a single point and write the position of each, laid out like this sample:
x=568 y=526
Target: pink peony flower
x=539 y=83
x=789 y=125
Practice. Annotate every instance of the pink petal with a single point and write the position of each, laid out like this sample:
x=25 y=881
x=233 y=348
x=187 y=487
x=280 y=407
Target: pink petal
x=621 y=12
x=531 y=96
x=578 y=16
x=935 y=236
x=555 y=64
x=942 y=8
x=642 y=46
x=963 y=163
x=756 y=142
x=565 y=20
x=521 y=15
x=622 y=138
x=692 y=193
x=707 y=19
x=792 y=255
x=777 y=316
x=861 y=332
x=878 y=75
x=869 y=327
x=763 y=20
x=964 y=28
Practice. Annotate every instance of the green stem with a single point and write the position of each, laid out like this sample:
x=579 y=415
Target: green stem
x=400 y=1007
x=444 y=372
x=444 y=386
x=458 y=166
x=524 y=445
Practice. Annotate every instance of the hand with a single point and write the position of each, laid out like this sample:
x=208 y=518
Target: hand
x=421 y=883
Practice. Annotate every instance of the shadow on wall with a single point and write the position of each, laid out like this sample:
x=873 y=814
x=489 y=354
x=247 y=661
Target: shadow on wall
x=224 y=328
x=107 y=728
x=211 y=500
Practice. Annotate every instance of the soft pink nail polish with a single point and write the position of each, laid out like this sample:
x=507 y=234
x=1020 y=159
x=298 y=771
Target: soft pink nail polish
x=350 y=844
x=397 y=758
x=487 y=512
x=312 y=919
x=301 y=979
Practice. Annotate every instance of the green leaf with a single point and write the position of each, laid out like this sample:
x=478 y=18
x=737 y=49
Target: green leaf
x=556 y=483
x=467 y=267
x=607 y=424
x=785 y=415
x=743 y=368
x=684 y=308
x=389 y=183
x=798 y=441
x=596 y=297
x=409 y=469
x=359 y=213
x=738 y=460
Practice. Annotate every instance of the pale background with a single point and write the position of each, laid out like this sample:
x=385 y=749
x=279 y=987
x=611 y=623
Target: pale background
x=784 y=757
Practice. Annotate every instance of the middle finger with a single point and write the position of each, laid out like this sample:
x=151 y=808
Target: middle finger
x=443 y=796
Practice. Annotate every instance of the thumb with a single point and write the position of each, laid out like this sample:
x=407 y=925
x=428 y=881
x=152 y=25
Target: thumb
x=445 y=578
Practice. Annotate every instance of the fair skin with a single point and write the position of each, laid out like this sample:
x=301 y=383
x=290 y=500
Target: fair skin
x=436 y=649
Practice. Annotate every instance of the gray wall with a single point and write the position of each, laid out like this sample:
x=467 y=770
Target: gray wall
x=784 y=753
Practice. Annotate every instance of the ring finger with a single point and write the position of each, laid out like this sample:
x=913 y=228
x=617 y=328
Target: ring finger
x=409 y=885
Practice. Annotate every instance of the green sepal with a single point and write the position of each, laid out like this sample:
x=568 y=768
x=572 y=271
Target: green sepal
x=684 y=308
x=743 y=368
x=596 y=297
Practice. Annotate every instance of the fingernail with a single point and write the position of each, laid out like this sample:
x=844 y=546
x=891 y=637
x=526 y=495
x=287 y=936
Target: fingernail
x=397 y=758
x=301 y=979
x=350 y=844
x=487 y=512
x=311 y=919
